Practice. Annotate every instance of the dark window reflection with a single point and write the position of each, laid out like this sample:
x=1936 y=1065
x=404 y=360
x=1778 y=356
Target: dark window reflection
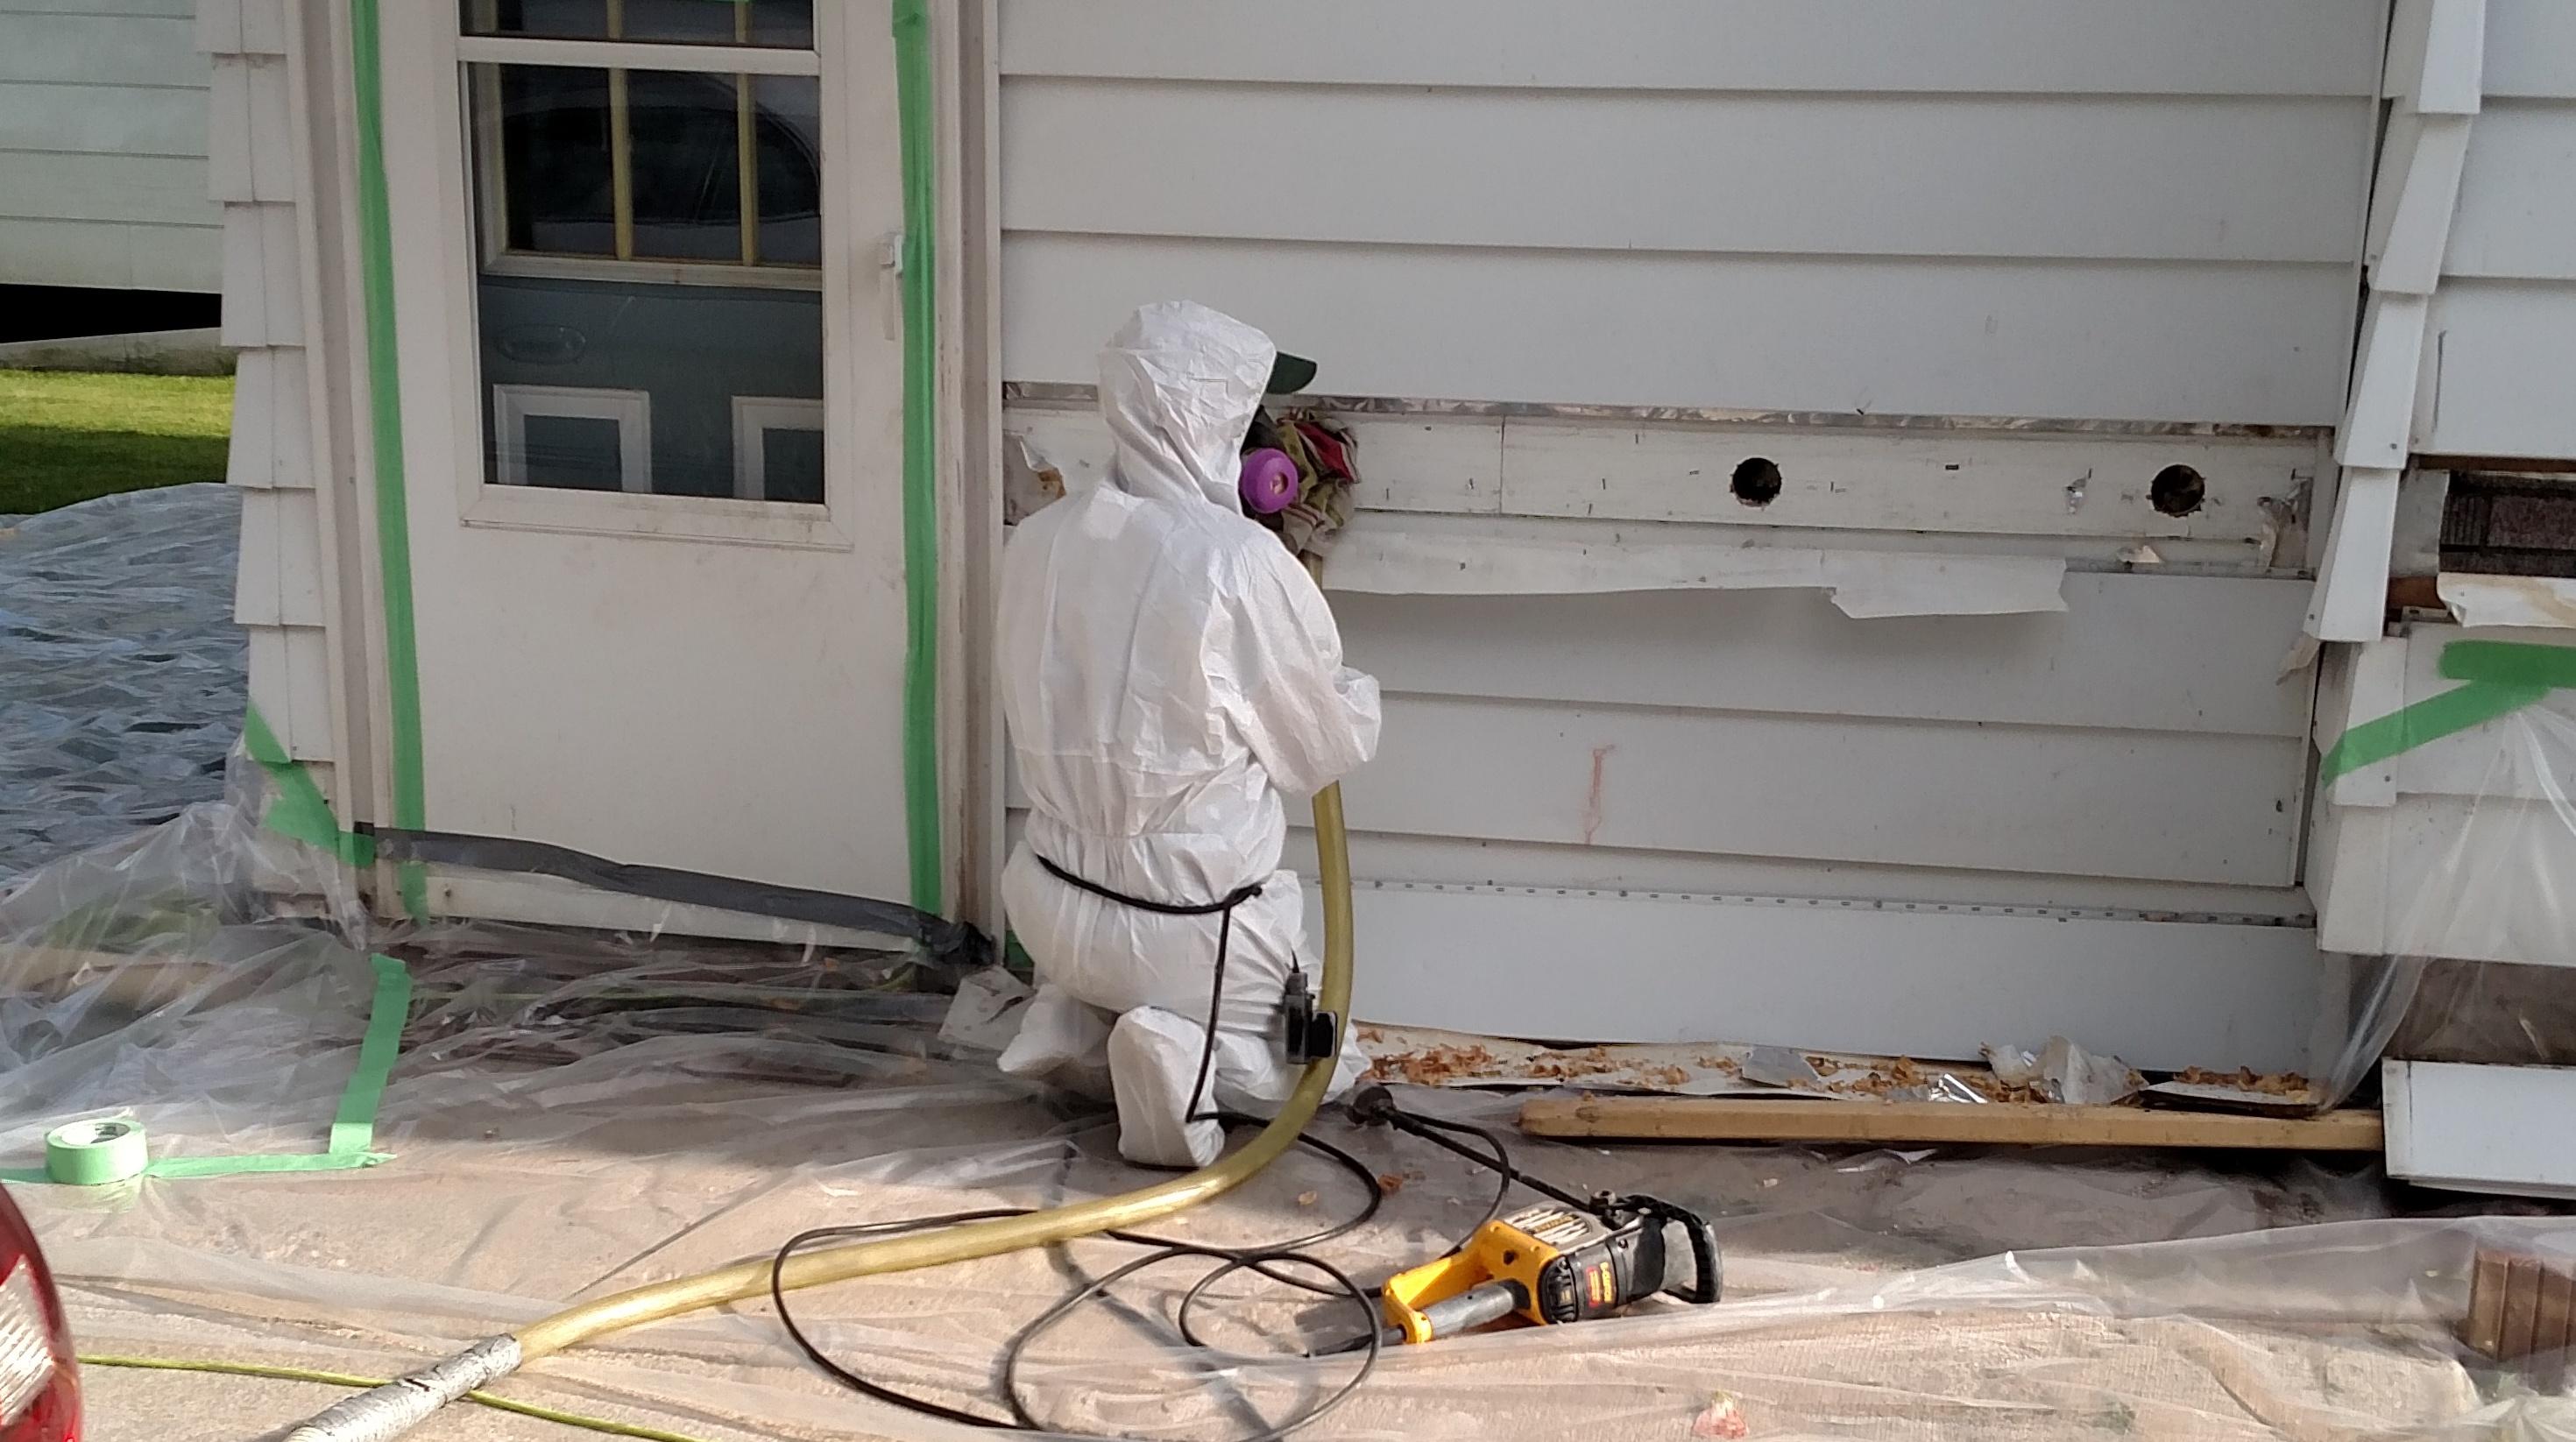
x=774 y=23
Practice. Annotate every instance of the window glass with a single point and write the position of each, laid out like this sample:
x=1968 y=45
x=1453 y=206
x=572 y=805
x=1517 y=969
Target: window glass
x=686 y=162
x=550 y=147
x=787 y=146
x=793 y=464
x=572 y=452
x=622 y=274
x=555 y=160
x=773 y=23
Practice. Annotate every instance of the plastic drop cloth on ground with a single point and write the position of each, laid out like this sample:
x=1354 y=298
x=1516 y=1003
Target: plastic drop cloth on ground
x=574 y=1113
x=120 y=666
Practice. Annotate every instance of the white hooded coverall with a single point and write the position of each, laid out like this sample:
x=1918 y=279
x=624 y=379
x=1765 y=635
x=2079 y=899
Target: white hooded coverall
x=1170 y=675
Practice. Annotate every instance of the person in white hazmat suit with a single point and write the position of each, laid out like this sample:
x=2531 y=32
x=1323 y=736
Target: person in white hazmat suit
x=1170 y=676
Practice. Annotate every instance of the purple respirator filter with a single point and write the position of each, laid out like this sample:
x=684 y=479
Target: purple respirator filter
x=1269 y=483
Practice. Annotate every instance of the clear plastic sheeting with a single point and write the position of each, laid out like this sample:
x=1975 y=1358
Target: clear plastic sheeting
x=2449 y=838
x=124 y=666
x=577 y=1112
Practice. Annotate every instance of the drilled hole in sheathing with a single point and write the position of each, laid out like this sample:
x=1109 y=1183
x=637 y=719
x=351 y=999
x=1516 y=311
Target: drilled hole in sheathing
x=2178 y=490
x=1756 y=481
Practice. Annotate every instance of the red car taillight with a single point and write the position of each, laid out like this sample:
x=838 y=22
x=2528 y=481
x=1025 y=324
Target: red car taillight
x=39 y=1382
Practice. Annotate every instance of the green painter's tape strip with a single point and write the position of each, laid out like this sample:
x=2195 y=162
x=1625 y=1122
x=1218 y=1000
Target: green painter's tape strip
x=353 y=1126
x=2511 y=663
x=299 y=810
x=912 y=79
x=2502 y=676
x=384 y=402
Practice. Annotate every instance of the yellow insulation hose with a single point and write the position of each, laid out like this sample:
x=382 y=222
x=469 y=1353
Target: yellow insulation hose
x=390 y=1410
x=1125 y=1212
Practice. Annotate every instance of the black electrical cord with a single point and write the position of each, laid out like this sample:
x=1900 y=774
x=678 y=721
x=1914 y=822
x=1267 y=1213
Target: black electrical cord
x=1263 y=1260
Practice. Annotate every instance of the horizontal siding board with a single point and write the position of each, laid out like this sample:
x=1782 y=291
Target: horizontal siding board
x=2145 y=653
x=154 y=9
x=2217 y=343
x=102 y=119
x=2135 y=804
x=103 y=253
x=1542 y=866
x=1963 y=482
x=2503 y=360
x=2180 y=179
x=2163 y=995
x=146 y=189
x=2286 y=47
x=2531 y=49
x=2517 y=207
x=104 y=49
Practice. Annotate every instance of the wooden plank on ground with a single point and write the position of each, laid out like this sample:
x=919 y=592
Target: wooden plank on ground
x=1748 y=1119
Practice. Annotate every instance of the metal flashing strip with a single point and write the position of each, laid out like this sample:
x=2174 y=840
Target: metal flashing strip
x=943 y=938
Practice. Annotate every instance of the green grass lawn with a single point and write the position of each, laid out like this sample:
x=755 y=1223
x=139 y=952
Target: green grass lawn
x=66 y=436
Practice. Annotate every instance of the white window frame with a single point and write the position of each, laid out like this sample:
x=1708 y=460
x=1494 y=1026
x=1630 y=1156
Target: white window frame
x=754 y=417
x=453 y=345
x=512 y=405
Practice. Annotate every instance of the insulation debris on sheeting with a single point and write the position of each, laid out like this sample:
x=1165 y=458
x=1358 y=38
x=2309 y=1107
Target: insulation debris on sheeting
x=2058 y=1072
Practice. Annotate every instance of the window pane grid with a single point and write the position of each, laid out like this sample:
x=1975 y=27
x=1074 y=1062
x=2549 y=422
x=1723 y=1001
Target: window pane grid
x=649 y=165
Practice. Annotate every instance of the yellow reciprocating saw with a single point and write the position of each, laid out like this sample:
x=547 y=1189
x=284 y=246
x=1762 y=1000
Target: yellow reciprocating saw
x=1571 y=1259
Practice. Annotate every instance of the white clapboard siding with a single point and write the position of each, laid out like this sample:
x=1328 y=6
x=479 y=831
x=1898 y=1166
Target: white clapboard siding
x=1926 y=983
x=2531 y=50
x=2501 y=360
x=2141 y=736
x=111 y=188
x=1551 y=869
x=1916 y=255
x=2184 y=655
x=88 y=117
x=2160 y=342
x=1962 y=482
x=1990 y=207
x=1755 y=174
x=103 y=123
x=2037 y=799
x=2120 y=47
x=37 y=251
x=282 y=592
x=2517 y=210
x=143 y=49
x=2499 y=357
x=1663 y=953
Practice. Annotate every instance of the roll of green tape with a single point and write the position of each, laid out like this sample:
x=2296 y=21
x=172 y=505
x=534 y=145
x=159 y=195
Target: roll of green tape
x=90 y=1154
